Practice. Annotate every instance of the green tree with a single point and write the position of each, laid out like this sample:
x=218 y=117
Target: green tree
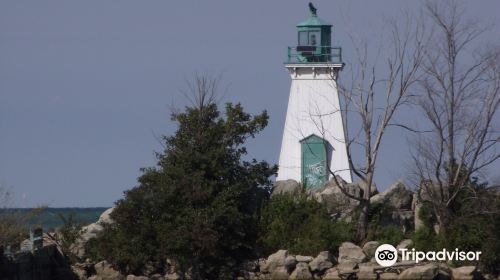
x=199 y=206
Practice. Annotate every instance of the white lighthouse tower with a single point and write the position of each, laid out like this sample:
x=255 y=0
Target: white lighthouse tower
x=313 y=143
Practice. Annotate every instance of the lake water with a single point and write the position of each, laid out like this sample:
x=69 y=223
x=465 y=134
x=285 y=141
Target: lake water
x=51 y=218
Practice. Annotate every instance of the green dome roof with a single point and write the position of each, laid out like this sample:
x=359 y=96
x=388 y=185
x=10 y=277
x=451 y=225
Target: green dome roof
x=313 y=20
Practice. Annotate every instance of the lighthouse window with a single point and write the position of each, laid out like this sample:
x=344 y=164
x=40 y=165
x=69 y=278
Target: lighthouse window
x=309 y=38
x=314 y=38
x=303 y=39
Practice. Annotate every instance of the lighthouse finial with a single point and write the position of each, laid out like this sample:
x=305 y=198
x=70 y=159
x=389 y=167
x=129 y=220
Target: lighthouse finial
x=312 y=9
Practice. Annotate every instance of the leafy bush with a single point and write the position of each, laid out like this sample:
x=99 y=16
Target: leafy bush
x=424 y=239
x=301 y=225
x=390 y=234
x=377 y=230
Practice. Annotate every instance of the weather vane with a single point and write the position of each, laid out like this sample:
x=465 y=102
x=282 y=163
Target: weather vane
x=312 y=9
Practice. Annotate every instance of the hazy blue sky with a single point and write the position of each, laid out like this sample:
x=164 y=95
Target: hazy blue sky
x=86 y=86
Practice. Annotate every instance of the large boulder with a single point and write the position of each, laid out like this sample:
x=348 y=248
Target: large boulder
x=337 y=203
x=274 y=261
x=426 y=271
x=322 y=262
x=301 y=272
x=349 y=252
x=286 y=186
x=105 y=271
x=396 y=196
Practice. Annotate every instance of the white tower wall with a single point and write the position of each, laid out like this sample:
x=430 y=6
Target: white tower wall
x=313 y=108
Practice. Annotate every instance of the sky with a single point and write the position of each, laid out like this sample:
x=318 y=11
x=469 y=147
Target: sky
x=86 y=87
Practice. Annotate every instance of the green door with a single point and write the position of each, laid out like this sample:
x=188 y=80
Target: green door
x=314 y=172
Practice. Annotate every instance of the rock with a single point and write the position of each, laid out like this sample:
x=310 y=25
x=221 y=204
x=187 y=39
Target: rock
x=286 y=186
x=405 y=244
x=332 y=274
x=370 y=247
x=396 y=196
x=463 y=272
x=275 y=260
x=173 y=276
x=79 y=272
x=337 y=204
x=91 y=231
x=426 y=271
x=133 y=277
x=107 y=272
x=301 y=272
x=262 y=264
x=157 y=276
x=322 y=262
x=290 y=262
x=403 y=218
x=105 y=217
x=366 y=271
x=350 y=252
x=389 y=276
x=279 y=273
x=306 y=259
x=347 y=267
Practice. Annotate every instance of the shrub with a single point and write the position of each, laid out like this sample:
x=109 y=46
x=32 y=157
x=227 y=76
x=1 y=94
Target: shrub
x=377 y=230
x=301 y=225
x=69 y=231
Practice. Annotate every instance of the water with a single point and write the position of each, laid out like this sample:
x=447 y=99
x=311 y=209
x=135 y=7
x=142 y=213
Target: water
x=50 y=218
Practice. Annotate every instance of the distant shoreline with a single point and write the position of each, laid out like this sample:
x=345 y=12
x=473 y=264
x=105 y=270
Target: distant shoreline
x=49 y=218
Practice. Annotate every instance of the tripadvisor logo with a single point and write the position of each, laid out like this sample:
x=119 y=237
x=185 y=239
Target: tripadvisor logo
x=387 y=255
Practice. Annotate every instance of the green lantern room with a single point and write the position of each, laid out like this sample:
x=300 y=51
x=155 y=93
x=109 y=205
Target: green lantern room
x=314 y=40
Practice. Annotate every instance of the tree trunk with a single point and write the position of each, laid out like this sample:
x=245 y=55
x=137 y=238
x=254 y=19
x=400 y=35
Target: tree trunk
x=362 y=228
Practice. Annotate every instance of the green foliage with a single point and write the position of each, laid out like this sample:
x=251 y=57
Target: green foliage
x=378 y=230
x=70 y=230
x=469 y=230
x=300 y=224
x=12 y=231
x=390 y=234
x=424 y=239
x=199 y=205
x=426 y=215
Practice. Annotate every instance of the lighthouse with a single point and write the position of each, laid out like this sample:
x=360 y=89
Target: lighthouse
x=313 y=146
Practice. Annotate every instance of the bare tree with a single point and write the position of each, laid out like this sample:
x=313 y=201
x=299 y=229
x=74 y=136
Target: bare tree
x=459 y=98
x=371 y=98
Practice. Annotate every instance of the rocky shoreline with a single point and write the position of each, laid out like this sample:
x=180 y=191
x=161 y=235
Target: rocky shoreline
x=353 y=262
